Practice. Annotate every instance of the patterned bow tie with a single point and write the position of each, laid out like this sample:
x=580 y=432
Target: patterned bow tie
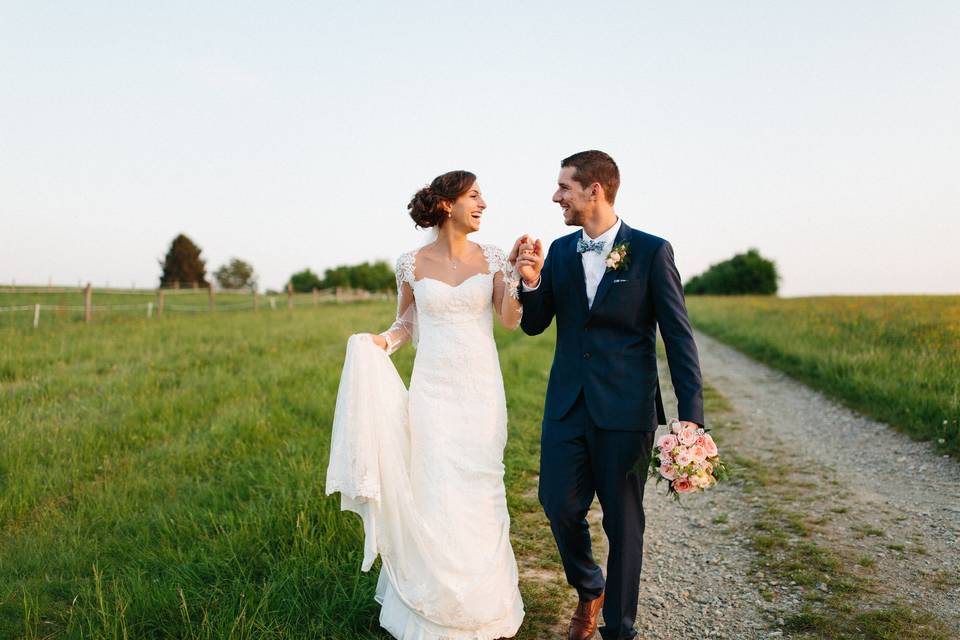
x=590 y=245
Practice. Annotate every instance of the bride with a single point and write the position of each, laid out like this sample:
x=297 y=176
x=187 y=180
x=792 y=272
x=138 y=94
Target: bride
x=428 y=481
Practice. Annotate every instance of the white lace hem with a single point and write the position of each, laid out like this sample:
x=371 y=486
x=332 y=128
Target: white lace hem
x=404 y=624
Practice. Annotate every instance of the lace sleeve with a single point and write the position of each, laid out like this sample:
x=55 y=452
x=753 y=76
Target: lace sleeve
x=506 y=280
x=404 y=328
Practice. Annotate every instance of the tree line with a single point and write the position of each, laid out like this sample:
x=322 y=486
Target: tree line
x=183 y=267
x=743 y=274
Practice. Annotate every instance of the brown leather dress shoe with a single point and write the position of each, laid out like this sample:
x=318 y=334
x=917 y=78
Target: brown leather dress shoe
x=584 y=622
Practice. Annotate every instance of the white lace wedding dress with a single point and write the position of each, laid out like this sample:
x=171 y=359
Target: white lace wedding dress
x=431 y=494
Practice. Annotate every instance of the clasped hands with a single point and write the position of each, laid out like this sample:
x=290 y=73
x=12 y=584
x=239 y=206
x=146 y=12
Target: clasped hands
x=527 y=257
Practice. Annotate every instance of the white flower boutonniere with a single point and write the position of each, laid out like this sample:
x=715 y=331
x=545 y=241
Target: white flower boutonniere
x=619 y=257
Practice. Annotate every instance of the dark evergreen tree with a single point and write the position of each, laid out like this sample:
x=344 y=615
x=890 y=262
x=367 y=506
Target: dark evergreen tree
x=743 y=274
x=183 y=267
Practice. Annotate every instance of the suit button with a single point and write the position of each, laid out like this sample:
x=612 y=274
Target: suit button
x=586 y=356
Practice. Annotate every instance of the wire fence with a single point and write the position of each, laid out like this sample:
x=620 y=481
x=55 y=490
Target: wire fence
x=61 y=303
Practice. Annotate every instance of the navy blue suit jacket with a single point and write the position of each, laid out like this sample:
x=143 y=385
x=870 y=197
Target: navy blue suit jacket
x=608 y=351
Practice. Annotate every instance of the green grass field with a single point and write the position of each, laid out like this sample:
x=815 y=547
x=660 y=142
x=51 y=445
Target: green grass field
x=896 y=358
x=65 y=305
x=164 y=478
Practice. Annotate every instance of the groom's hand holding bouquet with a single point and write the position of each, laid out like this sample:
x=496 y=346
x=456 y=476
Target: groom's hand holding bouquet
x=687 y=458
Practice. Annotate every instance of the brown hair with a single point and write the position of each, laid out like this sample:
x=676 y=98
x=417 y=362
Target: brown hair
x=425 y=206
x=595 y=166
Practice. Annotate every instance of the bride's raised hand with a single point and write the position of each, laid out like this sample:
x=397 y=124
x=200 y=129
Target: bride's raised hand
x=518 y=246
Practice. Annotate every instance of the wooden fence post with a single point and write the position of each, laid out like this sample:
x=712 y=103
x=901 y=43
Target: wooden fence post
x=88 y=303
x=289 y=295
x=159 y=302
x=36 y=316
x=149 y=310
x=316 y=296
x=211 y=305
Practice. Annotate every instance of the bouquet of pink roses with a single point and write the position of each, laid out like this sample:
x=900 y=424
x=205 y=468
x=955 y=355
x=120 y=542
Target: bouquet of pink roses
x=687 y=458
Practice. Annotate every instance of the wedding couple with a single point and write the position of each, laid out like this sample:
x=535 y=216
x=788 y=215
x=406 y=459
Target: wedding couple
x=424 y=467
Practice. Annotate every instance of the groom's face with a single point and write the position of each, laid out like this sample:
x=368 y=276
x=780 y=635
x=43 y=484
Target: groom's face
x=572 y=198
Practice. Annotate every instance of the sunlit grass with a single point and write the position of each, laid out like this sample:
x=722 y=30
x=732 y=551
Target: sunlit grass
x=164 y=479
x=896 y=358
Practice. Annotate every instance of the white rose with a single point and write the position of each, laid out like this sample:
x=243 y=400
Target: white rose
x=609 y=263
x=614 y=256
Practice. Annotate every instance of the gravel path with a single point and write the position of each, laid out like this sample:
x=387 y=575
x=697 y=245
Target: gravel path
x=884 y=496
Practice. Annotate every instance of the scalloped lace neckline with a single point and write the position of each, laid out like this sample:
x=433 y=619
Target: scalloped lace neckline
x=454 y=286
x=485 y=249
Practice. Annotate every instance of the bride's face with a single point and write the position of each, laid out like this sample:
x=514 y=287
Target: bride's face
x=467 y=210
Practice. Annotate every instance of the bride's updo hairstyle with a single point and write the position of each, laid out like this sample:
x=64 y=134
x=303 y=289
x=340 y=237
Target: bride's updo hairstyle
x=426 y=205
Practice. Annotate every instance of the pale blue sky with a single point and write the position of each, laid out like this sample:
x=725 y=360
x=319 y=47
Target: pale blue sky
x=292 y=134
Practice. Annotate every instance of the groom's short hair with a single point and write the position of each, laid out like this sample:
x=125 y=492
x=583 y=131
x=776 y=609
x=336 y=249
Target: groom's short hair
x=595 y=166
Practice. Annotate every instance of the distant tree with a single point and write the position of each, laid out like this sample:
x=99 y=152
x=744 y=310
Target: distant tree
x=336 y=277
x=236 y=274
x=744 y=273
x=305 y=281
x=182 y=266
x=375 y=276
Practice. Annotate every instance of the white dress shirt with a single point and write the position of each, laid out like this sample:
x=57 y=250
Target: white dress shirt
x=594 y=264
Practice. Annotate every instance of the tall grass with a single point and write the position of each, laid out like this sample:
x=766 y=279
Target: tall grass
x=164 y=478
x=896 y=358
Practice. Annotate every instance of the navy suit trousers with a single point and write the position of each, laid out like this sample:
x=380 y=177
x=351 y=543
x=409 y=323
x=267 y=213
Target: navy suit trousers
x=577 y=461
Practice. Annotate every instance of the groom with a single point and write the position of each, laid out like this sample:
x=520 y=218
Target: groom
x=609 y=287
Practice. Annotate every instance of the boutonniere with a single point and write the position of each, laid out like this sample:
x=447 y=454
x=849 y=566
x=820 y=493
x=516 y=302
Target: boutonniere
x=619 y=257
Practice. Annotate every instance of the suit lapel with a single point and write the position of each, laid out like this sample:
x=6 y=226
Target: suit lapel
x=579 y=279
x=609 y=275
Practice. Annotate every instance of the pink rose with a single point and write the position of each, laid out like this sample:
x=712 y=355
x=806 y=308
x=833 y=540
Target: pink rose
x=698 y=453
x=667 y=442
x=668 y=471
x=687 y=435
x=708 y=468
x=684 y=457
x=709 y=445
x=700 y=481
x=683 y=485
